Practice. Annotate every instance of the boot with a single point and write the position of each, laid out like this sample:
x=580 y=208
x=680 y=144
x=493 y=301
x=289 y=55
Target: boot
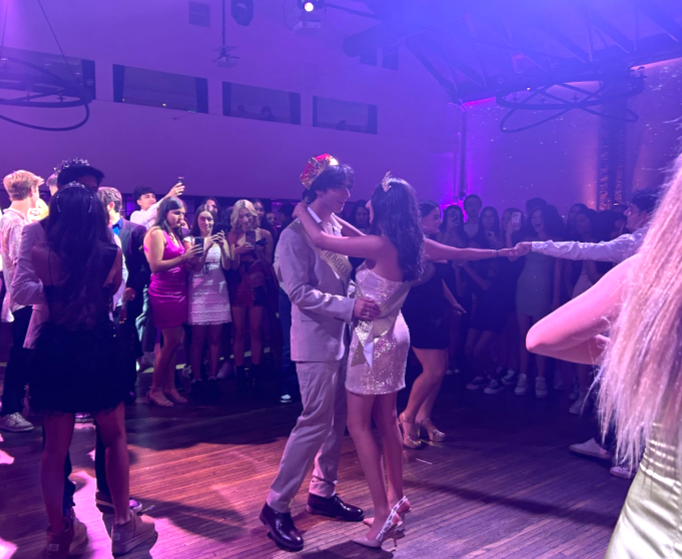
x=241 y=378
x=255 y=378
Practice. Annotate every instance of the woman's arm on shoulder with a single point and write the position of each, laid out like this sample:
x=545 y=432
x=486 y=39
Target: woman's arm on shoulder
x=575 y=331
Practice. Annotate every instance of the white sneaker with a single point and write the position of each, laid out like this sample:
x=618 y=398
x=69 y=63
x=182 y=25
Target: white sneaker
x=622 y=471
x=541 y=387
x=494 y=387
x=577 y=406
x=477 y=383
x=509 y=379
x=521 y=385
x=16 y=423
x=187 y=371
x=147 y=361
x=591 y=448
x=224 y=370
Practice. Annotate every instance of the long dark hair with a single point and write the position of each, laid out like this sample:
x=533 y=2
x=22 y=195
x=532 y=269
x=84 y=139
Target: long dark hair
x=480 y=238
x=195 y=232
x=167 y=205
x=397 y=216
x=554 y=225
x=77 y=233
x=453 y=208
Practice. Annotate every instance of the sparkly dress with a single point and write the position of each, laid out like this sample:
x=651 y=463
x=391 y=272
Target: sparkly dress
x=378 y=349
x=209 y=301
x=649 y=523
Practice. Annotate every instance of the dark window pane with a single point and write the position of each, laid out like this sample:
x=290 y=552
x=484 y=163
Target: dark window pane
x=260 y=103
x=345 y=115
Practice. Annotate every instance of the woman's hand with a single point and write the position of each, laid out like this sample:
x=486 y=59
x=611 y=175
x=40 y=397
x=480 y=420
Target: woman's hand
x=194 y=251
x=241 y=249
x=299 y=209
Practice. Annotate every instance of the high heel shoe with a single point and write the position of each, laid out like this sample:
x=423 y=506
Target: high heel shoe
x=388 y=530
x=408 y=441
x=159 y=400
x=403 y=511
x=175 y=397
x=434 y=434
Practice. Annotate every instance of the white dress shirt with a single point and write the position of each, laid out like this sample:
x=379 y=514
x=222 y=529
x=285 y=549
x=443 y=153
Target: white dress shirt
x=615 y=251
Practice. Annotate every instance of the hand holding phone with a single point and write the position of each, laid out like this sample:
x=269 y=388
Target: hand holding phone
x=199 y=241
x=250 y=237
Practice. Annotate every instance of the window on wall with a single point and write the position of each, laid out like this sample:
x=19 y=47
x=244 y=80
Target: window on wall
x=345 y=115
x=40 y=65
x=138 y=86
x=200 y=14
x=260 y=103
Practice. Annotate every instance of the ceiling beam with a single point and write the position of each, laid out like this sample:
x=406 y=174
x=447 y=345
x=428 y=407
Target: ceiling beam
x=567 y=43
x=660 y=18
x=608 y=29
x=446 y=54
x=450 y=87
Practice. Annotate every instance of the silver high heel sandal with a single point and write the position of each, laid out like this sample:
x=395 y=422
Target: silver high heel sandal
x=434 y=434
x=388 y=530
x=408 y=442
x=402 y=513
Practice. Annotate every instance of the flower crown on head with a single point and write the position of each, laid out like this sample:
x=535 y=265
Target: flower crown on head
x=315 y=167
x=75 y=162
x=386 y=181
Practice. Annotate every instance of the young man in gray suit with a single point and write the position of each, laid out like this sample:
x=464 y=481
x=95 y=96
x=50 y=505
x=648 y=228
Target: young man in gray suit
x=317 y=284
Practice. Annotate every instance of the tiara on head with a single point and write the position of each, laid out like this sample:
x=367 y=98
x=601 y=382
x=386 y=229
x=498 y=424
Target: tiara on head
x=75 y=162
x=73 y=184
x=386 y=182
x=315 y=167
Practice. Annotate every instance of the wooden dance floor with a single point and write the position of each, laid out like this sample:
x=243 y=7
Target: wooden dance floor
x=504 y=484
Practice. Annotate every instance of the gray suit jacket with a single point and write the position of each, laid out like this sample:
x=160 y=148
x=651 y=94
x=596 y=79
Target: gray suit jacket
x=321 y=307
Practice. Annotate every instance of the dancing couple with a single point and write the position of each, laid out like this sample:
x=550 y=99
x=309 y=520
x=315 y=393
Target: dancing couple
x=358 y=383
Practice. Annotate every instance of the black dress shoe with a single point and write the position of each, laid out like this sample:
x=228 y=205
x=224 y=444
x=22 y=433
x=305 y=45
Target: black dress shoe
x=334 y=507
x=282 y=529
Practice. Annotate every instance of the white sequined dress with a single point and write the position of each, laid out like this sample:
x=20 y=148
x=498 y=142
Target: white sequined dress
x=378 y=349
x=209 y=301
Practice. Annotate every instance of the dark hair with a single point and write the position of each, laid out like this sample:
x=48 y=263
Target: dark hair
x=107 y=195
x=75 y=170
x=287 y=210
x=396 y=215
x=141 y=191
x=472 y=197
x=356 y=206
x=426 y=207
x=646 y=199
x=554 y=225
x=195 y=226
x=535 y=203
x=167 y=205
x=77 y=233
x=480 y=237
x=217 y=202
x=581 y=207
x=335 y=176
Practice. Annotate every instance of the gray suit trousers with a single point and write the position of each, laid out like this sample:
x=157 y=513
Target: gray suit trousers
x=317 y=436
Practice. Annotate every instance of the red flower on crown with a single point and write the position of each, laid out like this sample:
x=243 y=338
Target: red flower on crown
x=315 y=167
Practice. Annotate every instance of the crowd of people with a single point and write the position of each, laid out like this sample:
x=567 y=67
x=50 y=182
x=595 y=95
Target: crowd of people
x=459 y=291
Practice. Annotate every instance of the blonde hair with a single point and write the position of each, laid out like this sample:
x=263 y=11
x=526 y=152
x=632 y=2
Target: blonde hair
x=248 y=206
x=640 y=385
x=19 y=184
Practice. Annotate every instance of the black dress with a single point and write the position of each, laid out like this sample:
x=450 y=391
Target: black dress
x=426 y=310
x=77 y=367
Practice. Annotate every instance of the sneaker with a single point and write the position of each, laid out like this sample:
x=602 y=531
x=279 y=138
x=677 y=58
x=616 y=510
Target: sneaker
x=67 y=542
x=286 y=399
x=509 y=378
x=104 y=504
x=622 y=471
x=15 y=423
x=187 y=371
x=577 y=406
x=541 y=387
x=225 y=370
x=521 y=385
x=125 y=537
x=477 y=383
x=84 y=418
x=147 y=361
x=494 y=387
x=591 y=448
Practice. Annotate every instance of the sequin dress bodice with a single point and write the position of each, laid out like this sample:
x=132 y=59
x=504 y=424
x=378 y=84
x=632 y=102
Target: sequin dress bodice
x=378 y=349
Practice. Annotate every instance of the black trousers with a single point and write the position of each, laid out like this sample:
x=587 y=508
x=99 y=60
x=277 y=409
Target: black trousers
x=16 y=373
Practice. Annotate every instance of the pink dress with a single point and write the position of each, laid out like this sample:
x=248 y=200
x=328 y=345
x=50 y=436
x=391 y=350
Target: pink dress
x=168 y=290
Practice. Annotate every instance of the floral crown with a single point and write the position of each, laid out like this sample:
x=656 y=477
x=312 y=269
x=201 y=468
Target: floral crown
x=315 y=167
